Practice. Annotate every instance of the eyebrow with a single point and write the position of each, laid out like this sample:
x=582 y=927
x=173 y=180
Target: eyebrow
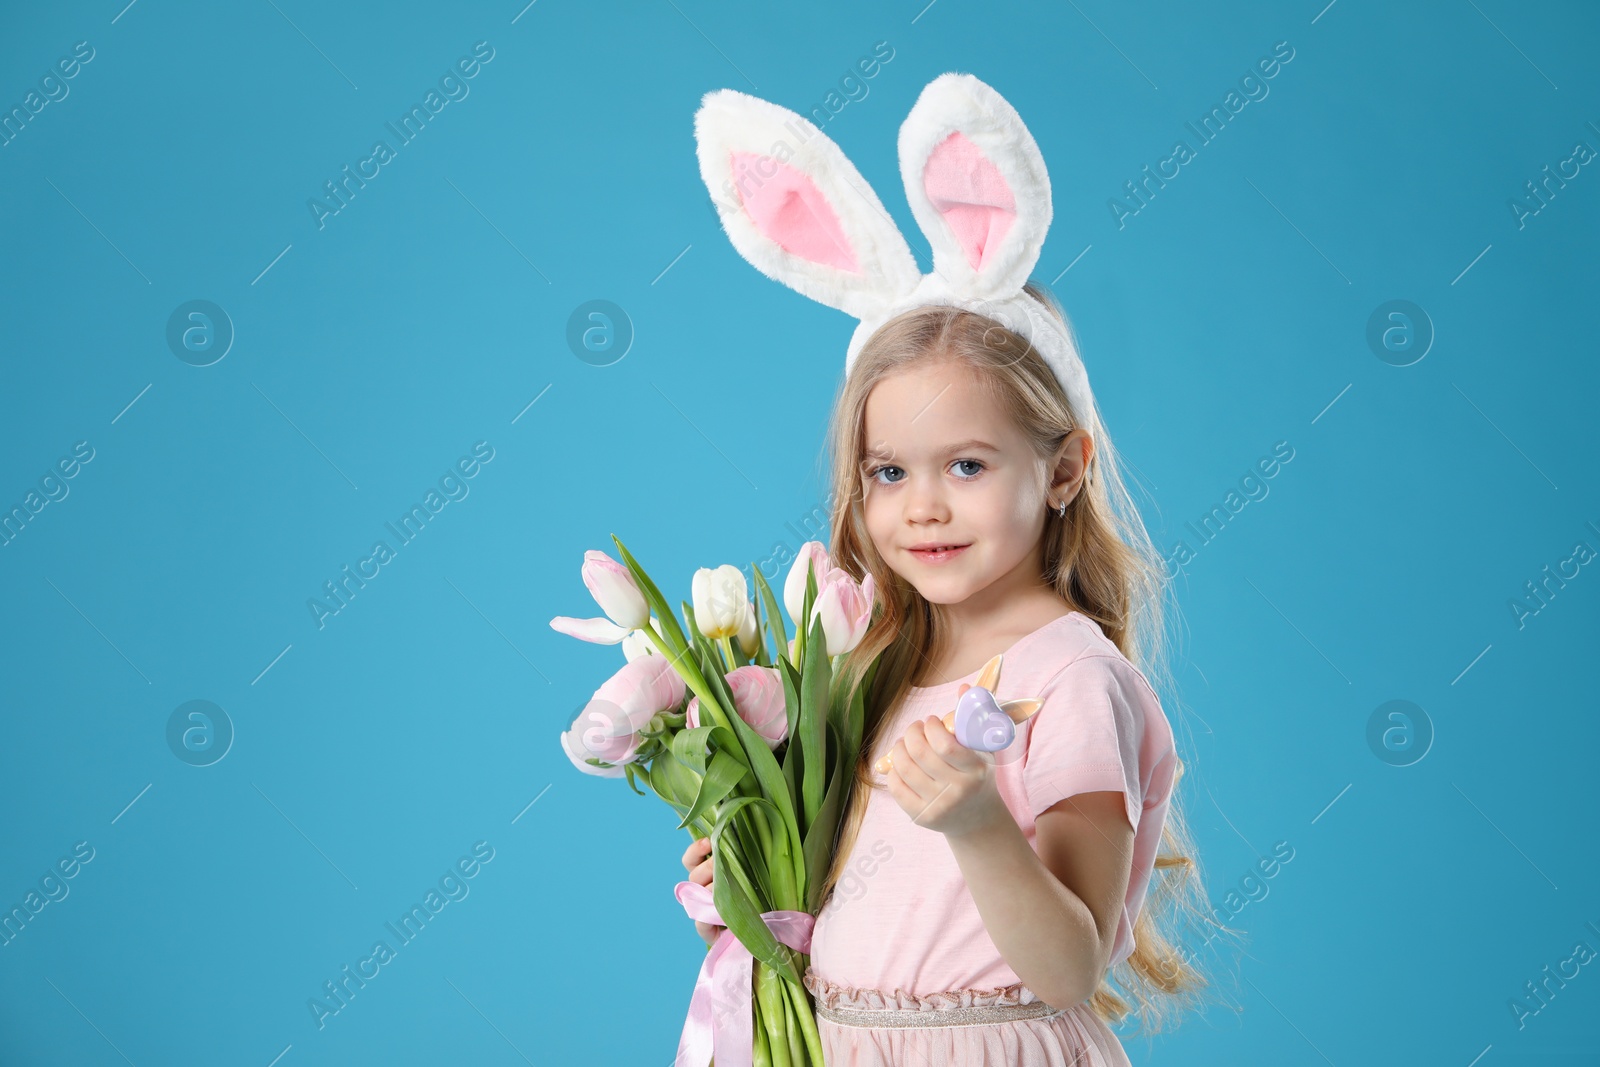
x=972 y=444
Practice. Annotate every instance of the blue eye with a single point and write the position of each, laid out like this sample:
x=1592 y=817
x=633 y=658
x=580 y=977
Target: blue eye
x=879 y=470
x=970 y=463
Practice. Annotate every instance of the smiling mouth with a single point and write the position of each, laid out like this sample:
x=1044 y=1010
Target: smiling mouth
x=937 y=553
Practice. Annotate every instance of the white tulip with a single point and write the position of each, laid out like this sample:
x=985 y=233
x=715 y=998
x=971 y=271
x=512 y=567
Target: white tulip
x=721 y=600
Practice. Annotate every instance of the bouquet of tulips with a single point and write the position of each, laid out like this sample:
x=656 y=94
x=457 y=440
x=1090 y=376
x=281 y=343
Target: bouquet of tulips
x=759 y=760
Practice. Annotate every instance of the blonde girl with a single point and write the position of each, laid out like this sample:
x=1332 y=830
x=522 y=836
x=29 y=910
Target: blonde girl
x=981 y=908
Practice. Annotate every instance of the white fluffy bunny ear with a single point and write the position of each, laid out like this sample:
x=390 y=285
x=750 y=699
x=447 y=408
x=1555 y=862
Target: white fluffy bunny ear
x=977 y=186
x=796 y=208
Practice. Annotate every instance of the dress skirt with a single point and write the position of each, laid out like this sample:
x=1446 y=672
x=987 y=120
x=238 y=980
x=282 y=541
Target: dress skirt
x=1005 y=1027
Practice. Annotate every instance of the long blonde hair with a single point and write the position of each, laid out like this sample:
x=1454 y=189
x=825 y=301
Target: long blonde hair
x=1099 y=559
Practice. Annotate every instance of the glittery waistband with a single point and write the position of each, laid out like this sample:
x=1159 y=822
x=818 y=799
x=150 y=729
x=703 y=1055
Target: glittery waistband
x=978 y=1015
x=899 y=1009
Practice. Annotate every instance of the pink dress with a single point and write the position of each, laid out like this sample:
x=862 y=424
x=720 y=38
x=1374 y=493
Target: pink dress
x=901 y=931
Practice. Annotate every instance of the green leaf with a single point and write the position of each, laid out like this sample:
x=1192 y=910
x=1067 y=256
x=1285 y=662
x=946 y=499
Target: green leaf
x=690 y=747
x=820 y=835
x=763 y=655
x=739 y=912
x=768 y=776
x=673 y=781
x=628 y=771
x=791 y=694
x=815 y=673
x=723 y=774
x=774 y=617
x=753 y=752
x=792 y=756
x=801 y=629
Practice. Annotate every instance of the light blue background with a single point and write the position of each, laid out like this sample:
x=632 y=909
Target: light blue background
x=1229 y=314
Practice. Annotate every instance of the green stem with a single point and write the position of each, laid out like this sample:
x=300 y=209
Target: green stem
x=728 y=658
x=808 y=1021
x=690 y=673
x=736 y=865
x=791 y=1030
x=770 y=1015
x=760 y=1054
x=785 y=891
x=759 y=821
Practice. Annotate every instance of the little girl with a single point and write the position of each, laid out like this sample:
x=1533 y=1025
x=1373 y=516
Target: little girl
x=978 y=904
x=976 y=900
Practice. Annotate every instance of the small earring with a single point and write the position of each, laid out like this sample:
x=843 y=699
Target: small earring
x=1061 y=509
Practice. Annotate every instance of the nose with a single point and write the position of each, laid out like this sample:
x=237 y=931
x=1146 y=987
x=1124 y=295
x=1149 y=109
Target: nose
x=925 y=501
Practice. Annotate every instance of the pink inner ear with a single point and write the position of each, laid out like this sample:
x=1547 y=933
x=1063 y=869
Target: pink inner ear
x=971 y=194
x=788 y=207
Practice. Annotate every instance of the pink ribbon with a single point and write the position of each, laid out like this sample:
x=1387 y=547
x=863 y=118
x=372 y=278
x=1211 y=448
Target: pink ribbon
x=719 y=1020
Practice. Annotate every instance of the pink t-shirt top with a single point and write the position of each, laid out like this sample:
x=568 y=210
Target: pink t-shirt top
x=901 y=915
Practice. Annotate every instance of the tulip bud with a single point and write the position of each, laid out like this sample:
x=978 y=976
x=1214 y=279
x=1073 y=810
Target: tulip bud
x=749 y=637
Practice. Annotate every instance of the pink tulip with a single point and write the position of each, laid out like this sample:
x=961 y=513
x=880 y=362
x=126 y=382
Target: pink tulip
x=608 y=726
x=845 y=607
x=758 y=698
x=613 y=588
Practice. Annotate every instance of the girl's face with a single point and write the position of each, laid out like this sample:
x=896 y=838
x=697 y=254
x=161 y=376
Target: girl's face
x=953 y=493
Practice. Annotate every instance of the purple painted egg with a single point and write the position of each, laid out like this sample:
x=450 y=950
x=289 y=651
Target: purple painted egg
x=980 y=724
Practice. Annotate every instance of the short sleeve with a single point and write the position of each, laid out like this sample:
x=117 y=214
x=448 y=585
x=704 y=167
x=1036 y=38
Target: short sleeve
x=1088 y=736
x=1102 y=729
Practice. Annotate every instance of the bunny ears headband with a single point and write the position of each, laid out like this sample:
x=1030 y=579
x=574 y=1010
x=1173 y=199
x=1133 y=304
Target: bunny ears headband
x=801 y=213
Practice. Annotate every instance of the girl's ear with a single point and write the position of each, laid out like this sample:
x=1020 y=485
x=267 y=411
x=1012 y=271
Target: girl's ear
x=977 y=186
x=796 y=208
x=1072 y=461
